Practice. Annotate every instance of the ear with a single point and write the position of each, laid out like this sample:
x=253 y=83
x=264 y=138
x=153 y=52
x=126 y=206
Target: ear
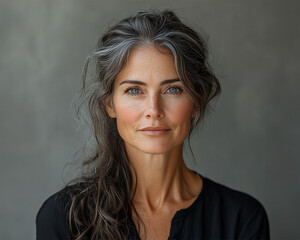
x=193 y=115
x=109 y=107
x=194 y=112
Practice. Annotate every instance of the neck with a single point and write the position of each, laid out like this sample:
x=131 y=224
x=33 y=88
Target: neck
x=159 y=178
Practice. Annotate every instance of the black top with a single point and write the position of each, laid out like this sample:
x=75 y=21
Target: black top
x=218 y=213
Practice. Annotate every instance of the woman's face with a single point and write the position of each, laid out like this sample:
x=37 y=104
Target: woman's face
x=151 y=107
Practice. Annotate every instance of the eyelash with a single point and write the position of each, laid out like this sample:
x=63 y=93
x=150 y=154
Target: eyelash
x=131 y=88
x=138 y=88
x=176 y=87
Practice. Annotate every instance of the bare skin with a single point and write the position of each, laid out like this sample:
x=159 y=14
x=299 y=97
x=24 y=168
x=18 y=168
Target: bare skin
x=162 y=190
x=144 y=96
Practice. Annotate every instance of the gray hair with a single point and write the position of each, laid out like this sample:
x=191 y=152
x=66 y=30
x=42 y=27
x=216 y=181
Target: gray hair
x=104 y=194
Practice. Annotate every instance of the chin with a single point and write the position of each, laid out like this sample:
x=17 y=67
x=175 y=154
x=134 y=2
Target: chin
x=157 y=146
x=155 y=149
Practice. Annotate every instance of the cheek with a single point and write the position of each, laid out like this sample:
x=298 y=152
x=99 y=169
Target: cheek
x=182 y=112
x=127 y=113
x=182 y=120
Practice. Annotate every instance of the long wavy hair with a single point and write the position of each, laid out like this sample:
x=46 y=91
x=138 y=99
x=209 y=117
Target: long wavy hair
x=101 y=201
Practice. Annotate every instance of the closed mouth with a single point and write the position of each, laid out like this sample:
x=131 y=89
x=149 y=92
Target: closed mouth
x=154 y=130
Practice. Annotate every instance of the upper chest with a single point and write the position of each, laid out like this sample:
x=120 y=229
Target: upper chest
x=156 y=224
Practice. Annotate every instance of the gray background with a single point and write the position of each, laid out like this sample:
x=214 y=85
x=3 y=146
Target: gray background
x=250 y=142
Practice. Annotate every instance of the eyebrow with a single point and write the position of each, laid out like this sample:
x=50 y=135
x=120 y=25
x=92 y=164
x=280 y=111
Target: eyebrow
x=168 y=81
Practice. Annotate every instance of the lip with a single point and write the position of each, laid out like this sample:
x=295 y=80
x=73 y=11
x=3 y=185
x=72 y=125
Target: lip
x=154 y=130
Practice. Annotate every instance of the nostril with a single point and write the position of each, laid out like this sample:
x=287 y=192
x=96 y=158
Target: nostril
x=155 y=115
x=161 y=115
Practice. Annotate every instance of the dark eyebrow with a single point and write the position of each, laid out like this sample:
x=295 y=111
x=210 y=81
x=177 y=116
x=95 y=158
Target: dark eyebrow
x=168 y=81
x=133 y=82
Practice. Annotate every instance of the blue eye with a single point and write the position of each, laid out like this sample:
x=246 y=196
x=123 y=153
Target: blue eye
x=133 y=91
x=174 y=90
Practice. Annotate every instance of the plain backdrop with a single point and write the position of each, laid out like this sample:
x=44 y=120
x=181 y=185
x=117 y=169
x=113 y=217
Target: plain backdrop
x=250 y=142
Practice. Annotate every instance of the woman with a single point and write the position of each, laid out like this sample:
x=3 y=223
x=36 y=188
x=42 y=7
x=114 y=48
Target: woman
x=153 y=86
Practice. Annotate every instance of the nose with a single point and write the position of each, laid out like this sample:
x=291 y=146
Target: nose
x=154 y=108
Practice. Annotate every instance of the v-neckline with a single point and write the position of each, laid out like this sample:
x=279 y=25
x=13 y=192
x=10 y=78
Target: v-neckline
x=179 y=214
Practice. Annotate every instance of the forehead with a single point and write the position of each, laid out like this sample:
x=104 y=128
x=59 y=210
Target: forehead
x=148 y=64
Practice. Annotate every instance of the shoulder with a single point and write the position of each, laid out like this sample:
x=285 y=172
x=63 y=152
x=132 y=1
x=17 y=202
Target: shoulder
x=52 y=217
x=233 y=199
x=57 y=200
x=241 y=209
